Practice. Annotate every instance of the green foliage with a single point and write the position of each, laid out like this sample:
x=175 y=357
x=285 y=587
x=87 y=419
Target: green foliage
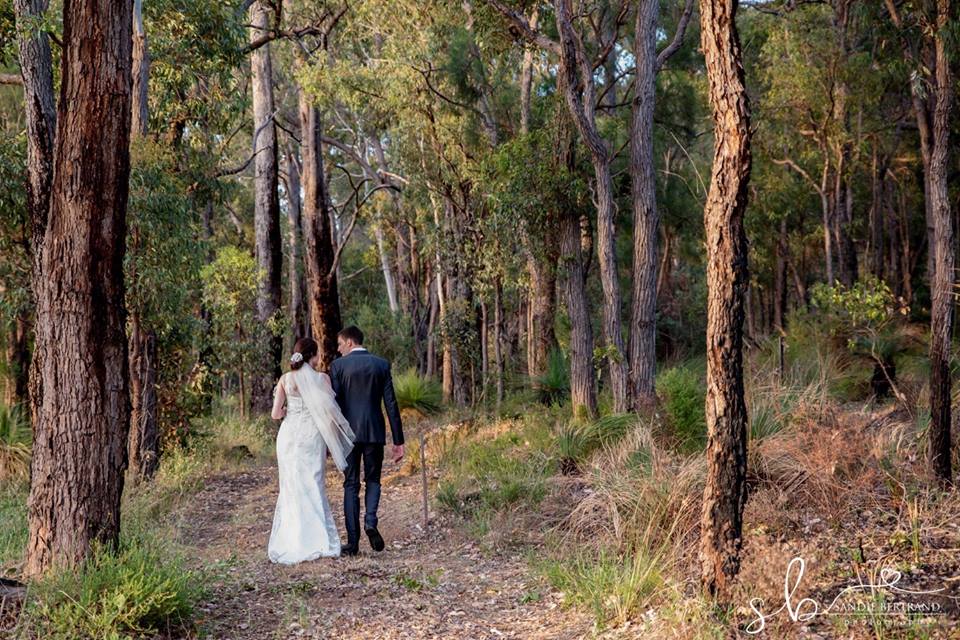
x=615 y=587
x=14 y=228
x=140 y=590
x=554 y=385
x=490 y=474
x=683 y=397
x=418 y=393
x=230 y=293
x=865 y=308
x=14 y=444
x=385 y=333
x=164 y=253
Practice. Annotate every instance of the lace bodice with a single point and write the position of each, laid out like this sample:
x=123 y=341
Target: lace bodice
x=294 y=399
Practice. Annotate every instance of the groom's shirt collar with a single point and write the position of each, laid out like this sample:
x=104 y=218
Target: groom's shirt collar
x=356 y=349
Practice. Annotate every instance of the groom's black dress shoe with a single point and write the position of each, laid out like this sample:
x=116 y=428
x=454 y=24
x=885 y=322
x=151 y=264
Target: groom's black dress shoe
x=376 y=540
x=350 y=550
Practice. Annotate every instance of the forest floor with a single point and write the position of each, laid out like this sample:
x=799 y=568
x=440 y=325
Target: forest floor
x=447 y=582
x=436 y=583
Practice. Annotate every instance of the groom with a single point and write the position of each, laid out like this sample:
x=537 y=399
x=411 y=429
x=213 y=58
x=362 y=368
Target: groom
x=362 y=381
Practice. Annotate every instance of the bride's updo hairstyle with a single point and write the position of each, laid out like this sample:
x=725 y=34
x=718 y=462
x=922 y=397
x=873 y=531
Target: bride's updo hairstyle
x=305 y=349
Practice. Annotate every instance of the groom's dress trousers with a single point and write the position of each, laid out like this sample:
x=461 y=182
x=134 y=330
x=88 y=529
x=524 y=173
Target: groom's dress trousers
x=363 y=384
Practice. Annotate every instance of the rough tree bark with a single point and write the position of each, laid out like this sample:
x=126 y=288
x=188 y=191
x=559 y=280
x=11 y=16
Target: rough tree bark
x=144 y=443
x=266 y=213
x=646 y=218
x=943 y=247
x=325 y=318
x=80 y=431
x=141 y=73
x=298 y=315
x=577 y=80
x=725 y=491
x=642 y=347
x=583 y=386
x=542 y=306
x=36 y=69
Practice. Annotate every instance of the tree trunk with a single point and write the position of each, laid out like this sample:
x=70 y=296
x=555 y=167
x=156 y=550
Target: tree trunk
x=143 y=446
x=780 y=281
x=583 y=385
x=141 y=73
x=942 y=246
x=526 y=77
x=577 y=80
x=498 y=336
x=386 y=269
x=266 y=215
x=877 y=170
x=646 y=218
x=80 y=431
x=541 y=311
x=298 y=316
x=36 y=68
x=318 y=232
x=144 y=442
x=725 y=490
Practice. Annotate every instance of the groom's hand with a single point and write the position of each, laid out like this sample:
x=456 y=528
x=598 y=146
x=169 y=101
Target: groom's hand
x=397 y=452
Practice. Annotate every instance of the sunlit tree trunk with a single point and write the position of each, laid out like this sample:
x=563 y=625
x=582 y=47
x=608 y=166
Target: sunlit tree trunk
x=298 y=315
x=266 y=215
x=725 y=489
x=325 y=319
x=80 y=430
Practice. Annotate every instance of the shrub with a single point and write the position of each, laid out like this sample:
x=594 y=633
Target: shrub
x=554 y=385
x=616 y=588
x=14 y=444
x=138 y=591
x=498 y=470
x=869 y=319
x=417 y=393
x=683 y=396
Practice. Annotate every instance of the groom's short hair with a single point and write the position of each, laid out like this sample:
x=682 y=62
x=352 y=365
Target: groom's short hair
x=352 y=333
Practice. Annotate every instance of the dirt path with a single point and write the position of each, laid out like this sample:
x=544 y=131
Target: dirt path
x=434 y=584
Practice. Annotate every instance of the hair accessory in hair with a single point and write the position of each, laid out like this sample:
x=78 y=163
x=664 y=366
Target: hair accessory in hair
x=296 y=357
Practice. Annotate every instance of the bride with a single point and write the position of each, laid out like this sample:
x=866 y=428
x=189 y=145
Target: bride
x=303 y=526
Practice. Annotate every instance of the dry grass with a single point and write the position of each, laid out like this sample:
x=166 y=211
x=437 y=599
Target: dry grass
x=844 y=486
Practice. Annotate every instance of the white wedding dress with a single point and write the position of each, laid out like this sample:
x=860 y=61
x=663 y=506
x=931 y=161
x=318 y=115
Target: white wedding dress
x=303 y=525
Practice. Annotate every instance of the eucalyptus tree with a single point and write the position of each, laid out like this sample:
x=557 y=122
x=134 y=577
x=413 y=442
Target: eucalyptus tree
x=578 y=56
x=725 y=490
x=646 y=217
x=81 y=424
x=266 y=207
x=925 y=31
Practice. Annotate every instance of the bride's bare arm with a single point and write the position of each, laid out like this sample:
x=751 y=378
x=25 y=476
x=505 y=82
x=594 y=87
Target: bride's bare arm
x=279 y=398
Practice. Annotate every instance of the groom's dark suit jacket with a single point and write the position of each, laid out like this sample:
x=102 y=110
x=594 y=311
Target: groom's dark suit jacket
x=362 y=382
